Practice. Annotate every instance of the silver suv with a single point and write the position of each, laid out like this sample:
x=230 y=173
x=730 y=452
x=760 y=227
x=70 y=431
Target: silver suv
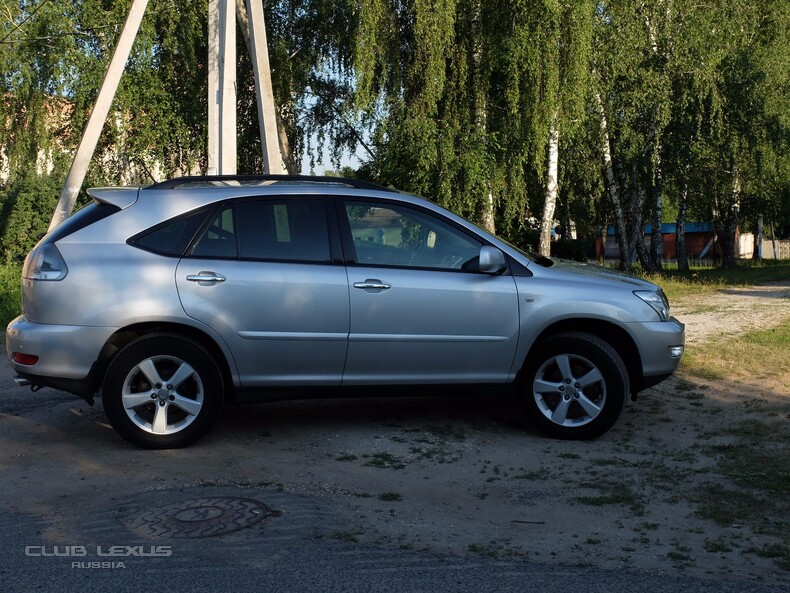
x=171 y=299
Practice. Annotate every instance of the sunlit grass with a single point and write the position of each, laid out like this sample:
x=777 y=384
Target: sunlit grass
x=10 y=292
x=708 y=279
x=755 y=355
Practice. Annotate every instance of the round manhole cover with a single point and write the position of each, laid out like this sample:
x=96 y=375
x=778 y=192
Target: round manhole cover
x=199 y=517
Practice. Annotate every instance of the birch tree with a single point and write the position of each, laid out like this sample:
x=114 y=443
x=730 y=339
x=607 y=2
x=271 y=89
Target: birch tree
x=567 y=53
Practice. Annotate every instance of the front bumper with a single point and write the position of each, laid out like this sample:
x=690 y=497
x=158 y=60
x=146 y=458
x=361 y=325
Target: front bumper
x=66 y=353
x=656 y=341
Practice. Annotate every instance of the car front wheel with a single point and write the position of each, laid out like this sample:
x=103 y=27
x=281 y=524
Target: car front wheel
x=574 y=386
x=162 y=391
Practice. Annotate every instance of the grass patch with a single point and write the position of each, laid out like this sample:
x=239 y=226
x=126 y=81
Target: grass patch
x=679 y=557
x=10 y=292
x=758 y=460
x=539 y=474
x=492 y=550
x=780 y=553
x=755 y=355
x=728 y=506
x=351 y=537
x=612 y=493
x=390 y=496
x=385 y=461
x=758 y=493
x=447 y=432
x=437 y=454
x=707 y=279
x=718 y=546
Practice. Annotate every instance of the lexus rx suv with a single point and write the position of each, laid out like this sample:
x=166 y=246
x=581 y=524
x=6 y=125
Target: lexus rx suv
x=172 y=299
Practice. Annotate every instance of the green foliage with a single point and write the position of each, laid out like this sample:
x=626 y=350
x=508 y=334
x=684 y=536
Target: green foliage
x=466 y=94
x=451 y=99
x=26 y=208
x=10 y=292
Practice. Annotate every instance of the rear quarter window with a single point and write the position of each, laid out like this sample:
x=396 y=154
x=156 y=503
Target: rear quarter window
x=172 y=237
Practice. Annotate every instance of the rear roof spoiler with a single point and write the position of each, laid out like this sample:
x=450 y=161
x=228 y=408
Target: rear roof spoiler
x=122 y=197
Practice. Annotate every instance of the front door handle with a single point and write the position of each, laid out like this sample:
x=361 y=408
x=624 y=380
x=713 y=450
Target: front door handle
x=208 y=277
x=372 y=284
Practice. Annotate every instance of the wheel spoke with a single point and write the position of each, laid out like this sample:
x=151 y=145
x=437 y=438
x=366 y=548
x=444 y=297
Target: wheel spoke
x=183 y=373
x=132 y=400
x=190 y=406
x=543 y=386
x=564 y=364
x=591 y=408
x=561 y=411
x=160 y=420
x=148 y=368
x=592 y=377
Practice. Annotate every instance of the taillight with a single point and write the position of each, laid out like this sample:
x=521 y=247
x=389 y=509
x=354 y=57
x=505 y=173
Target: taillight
x=45 y=263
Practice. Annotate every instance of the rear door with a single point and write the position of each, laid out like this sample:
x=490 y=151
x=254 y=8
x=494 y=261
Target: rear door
x=264 y=275
x=421 y=312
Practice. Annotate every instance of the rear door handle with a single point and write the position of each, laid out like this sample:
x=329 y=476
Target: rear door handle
x=372 y=284
x=206 y=277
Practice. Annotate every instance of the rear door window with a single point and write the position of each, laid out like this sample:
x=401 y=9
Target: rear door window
x=271 y=229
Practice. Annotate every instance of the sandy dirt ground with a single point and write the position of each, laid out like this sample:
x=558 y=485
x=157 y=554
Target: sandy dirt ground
x=464 y=476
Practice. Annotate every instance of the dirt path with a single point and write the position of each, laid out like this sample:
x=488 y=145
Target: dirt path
x=463 y=477
x=733 y=311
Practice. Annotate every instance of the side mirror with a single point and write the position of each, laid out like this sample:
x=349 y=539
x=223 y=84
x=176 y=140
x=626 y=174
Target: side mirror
x=492 y=260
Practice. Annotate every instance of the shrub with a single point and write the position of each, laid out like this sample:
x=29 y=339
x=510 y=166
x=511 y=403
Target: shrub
x=10 y=292
x=26 y=208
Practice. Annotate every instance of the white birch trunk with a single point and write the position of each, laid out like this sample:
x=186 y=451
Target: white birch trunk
x=550 y=203
x=758 y=239
x=487 y=220
x=488 y=214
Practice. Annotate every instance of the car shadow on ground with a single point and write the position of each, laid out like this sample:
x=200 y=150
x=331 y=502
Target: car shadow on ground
x=485 y=412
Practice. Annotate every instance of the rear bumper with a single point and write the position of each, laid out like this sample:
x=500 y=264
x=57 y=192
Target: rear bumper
x=66 y=354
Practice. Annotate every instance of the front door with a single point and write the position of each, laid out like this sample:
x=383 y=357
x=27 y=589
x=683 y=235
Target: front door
x=420 y=310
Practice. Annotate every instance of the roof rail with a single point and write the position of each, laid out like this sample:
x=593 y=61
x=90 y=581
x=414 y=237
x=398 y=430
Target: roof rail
x=203 y=179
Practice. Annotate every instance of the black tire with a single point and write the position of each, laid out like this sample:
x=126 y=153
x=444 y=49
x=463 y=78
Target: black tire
x=171 y=415
x=574 y=386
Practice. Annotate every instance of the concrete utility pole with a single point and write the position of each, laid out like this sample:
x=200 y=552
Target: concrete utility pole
x=222 y=87
x=87 y=146
x=259 y=48
x=222 y=155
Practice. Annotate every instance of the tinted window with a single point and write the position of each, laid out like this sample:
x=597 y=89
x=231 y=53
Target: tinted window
x=287 y=230
x=93 y=212
x=401 y=236
x=172 y=237
x=219 y=239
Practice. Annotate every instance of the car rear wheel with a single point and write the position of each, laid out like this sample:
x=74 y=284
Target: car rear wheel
x=574 y=386
x=162 y=391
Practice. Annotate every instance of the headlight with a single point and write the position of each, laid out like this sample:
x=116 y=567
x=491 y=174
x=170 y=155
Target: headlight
x=45 y=263
x=657 y=300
